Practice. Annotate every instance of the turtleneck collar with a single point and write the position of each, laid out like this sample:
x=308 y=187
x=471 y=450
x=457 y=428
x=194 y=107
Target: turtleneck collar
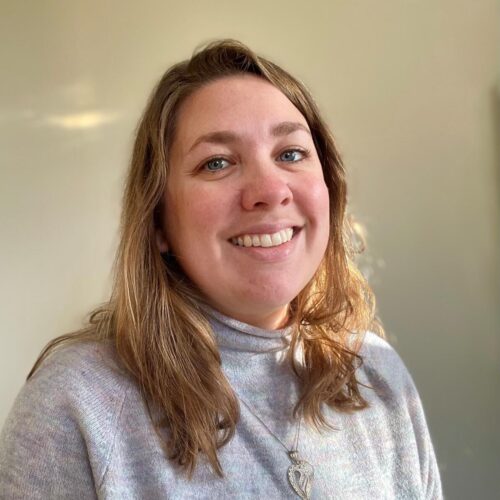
x=255 y=362
x=235 y=335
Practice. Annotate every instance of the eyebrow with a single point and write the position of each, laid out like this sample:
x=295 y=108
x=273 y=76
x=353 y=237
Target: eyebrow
x=227 y=137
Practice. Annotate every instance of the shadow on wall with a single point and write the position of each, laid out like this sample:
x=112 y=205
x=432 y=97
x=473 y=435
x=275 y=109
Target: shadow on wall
x=496 y=135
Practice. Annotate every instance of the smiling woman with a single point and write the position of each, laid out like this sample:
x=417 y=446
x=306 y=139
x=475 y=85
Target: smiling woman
x=239 y=355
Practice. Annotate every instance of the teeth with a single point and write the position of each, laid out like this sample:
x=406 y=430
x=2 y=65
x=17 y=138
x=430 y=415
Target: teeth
x=276 y=239
x=264 y=240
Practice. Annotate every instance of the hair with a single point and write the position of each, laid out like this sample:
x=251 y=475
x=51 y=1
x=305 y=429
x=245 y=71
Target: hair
x=154 y=320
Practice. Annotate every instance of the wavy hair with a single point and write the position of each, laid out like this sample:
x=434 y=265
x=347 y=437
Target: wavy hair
x=153 y=317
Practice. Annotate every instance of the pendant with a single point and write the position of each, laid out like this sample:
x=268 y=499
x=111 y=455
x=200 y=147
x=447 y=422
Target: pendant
x=300 y=475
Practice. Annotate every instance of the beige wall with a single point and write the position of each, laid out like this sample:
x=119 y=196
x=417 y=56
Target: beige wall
x=411 y=90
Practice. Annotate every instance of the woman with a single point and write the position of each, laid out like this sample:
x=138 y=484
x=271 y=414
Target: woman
x=235 y=358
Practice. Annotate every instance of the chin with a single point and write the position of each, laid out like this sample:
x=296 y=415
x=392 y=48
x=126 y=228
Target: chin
x=271 y=299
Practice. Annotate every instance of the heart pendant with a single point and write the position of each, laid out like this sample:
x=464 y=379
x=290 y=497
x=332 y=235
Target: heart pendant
x=300 y=475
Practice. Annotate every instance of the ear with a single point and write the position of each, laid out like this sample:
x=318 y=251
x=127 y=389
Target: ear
x=161 y=241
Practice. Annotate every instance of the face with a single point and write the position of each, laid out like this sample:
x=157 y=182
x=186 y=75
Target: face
x=246 y=210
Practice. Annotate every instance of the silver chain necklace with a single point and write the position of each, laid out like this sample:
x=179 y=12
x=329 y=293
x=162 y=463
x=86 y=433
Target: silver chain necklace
x=300 y=473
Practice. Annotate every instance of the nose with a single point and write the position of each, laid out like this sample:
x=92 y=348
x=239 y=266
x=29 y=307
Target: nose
x=265 y=187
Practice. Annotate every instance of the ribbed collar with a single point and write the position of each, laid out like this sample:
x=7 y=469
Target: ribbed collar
x=235 y=335
x=255 y=362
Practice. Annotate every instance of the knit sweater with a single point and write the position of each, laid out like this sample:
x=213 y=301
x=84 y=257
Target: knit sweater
x=79 y=429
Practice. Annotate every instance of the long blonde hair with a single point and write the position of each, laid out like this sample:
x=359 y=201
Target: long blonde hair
x=153 y=318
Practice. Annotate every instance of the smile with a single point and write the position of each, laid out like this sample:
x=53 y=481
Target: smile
x=264 y=240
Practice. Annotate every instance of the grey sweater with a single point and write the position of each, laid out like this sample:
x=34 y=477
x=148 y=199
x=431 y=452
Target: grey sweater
x=79 y=429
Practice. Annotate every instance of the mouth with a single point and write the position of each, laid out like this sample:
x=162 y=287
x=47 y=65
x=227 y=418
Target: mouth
x=266 y=240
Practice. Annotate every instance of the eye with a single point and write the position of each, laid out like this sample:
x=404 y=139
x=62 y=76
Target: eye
x=293 y=155
x=215 y=164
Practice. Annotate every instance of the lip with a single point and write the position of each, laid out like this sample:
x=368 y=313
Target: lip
x=266 y=229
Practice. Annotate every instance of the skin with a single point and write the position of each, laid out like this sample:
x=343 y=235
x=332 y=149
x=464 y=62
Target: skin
x=221 y=186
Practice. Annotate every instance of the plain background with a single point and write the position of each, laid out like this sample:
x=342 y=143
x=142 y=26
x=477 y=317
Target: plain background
x=411 y=91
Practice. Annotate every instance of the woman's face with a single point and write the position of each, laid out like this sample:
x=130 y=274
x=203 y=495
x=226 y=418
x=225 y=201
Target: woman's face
x=244 y=178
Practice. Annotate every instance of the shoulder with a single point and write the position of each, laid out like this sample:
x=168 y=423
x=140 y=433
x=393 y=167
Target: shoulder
x=389 y=389
x=81 y=375
x=81 y=364
x=386 y=378
x=383 y=367
x=64 y=419
x=80 y=382
x=377 y=349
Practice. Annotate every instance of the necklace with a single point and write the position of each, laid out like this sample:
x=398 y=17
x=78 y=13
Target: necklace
x=300 y=473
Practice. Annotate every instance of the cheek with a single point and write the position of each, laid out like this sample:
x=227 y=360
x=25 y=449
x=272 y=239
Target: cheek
x=323 y=212
x=314 y=197
x=194 y=214
x=315 y=202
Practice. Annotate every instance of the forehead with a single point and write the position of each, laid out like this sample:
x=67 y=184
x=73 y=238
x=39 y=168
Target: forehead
x=247 y=105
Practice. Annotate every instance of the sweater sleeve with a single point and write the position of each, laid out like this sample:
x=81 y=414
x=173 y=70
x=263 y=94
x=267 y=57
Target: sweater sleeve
x=57 y=438
x=429 y=472
x=392 y=381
